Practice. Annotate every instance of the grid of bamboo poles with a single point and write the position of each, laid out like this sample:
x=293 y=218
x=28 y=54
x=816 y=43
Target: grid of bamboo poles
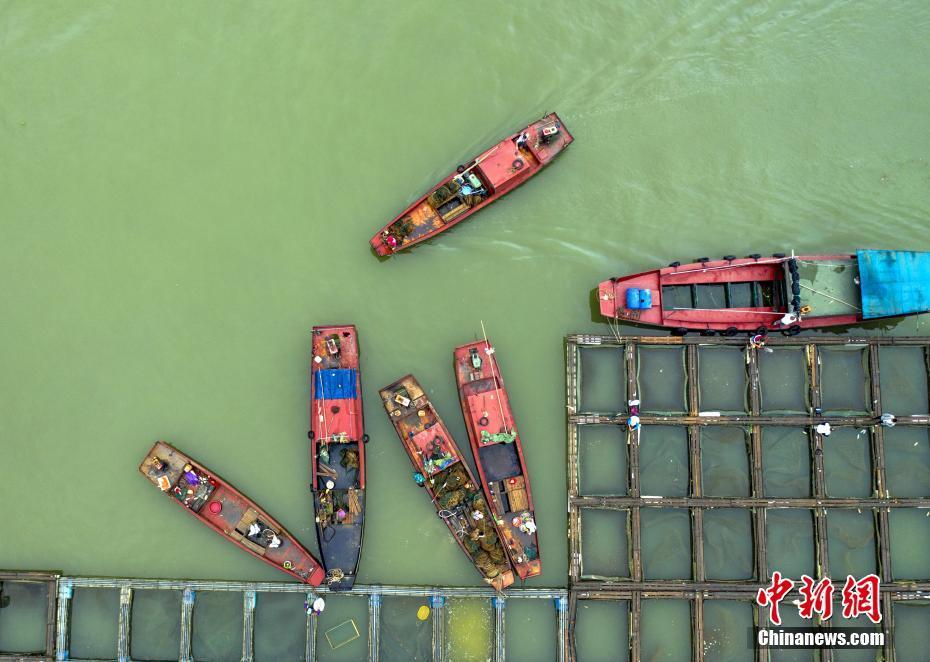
x=61 y=591
x=698 y=589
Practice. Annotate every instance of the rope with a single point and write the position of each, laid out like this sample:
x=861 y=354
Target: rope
x=489 y=350
x=736 y=310
x=615 y=329
x=824 y=294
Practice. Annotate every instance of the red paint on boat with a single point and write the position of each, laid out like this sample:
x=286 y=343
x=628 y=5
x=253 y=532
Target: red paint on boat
x=766 y=280
x=338 y=424
x=164 y=466
x=437 y=458
x=497 y=171
x=501 y=466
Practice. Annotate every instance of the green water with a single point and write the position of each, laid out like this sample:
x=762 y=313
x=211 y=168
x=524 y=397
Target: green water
x=186 y=188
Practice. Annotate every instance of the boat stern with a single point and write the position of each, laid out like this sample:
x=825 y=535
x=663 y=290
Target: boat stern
x=549 y=136
x=502 y=581
x=379 y=244
x=317 y=576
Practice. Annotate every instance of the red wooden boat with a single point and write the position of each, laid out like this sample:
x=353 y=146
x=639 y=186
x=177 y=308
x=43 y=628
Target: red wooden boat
x=776 y=293
x=337 y=451
x=498 y=453
x=476 y=184
x=440 y=468
x=227 y=511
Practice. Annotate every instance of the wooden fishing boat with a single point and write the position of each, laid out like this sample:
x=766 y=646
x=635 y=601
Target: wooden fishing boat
x=475 y=184
x=227 y=511
x=785 y=293
x=498 y=453
x=337 y=451
x=441 y=470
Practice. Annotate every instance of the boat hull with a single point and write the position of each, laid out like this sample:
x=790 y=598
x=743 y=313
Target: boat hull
x=228 y=512
x=447 y=480
x=496 y=171
x=758 y=285
x=337 y=451
x=501 y=466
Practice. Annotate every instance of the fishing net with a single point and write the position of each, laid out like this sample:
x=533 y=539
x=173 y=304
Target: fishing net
x=439 y=196
x=349 y=459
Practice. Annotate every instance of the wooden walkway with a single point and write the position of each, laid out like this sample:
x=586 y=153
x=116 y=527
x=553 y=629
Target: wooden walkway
x=61 y=592
x=698 y=588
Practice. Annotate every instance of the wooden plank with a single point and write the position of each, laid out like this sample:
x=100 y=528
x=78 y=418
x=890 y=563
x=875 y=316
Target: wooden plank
x=697 y=629
x=565 y=635
x=744 y=420
x=627 y=502
x=63 y=619
x=438 y=604
x=124 y=623
x=636 y=610
x=310 y=650
x=374 y=627
x=498 y=603
x=593 y=340
x=681 y=589
x=188 y=596
x=248 y=626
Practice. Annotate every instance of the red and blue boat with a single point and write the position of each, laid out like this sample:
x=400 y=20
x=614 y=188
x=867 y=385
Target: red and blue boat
x=781 y=292
x=223 y=508
x=337 y=452
x=475 y=184
x=498 y=452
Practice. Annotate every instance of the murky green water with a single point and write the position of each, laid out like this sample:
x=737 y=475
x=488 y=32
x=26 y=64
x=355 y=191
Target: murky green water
x=185 y=189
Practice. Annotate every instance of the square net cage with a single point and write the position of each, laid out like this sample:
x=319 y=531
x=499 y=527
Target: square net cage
x=727 y=461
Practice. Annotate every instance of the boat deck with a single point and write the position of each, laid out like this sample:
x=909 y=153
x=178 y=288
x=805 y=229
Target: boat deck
x=830 y=288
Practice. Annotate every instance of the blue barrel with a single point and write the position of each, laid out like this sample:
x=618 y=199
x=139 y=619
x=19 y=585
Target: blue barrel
x=638 y=299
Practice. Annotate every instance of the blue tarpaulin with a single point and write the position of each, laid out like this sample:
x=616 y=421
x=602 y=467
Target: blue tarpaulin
x=334 y=384
x=894 y=282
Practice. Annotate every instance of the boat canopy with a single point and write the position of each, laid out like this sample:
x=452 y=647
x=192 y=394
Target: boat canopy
x=894 y=282
x=335 y=384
